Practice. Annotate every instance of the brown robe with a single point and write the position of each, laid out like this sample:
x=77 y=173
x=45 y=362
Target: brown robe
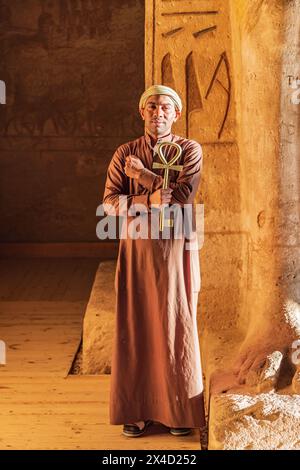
x=156 y=367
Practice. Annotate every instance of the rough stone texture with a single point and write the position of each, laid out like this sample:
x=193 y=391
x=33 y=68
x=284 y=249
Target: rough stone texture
x=266 y=421
x=99 y=319
x=266 y=47
x=267 y=51
x=67 y=65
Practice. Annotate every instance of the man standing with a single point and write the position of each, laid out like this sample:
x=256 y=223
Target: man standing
x=156 y=367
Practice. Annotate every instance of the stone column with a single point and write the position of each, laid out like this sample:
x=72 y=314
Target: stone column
x=266 y=44
x=261 y=409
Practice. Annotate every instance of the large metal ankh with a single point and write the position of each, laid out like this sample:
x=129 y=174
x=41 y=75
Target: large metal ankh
x=167 y=165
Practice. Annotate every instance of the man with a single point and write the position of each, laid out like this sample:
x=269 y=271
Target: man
x=156 y=369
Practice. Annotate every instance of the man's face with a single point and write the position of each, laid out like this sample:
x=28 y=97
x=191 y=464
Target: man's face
x=159 y=114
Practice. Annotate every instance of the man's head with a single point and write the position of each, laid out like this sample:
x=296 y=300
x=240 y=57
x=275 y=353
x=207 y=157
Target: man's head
x=159 y=107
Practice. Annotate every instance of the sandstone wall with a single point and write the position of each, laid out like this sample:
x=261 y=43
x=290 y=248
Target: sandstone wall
x=67 y=65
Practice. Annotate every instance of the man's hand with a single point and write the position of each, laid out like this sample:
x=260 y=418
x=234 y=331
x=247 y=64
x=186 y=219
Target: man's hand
x=133 y=165
x=161 y=196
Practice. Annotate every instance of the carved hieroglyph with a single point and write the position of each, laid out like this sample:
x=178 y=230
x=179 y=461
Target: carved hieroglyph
x=66 y=64
x=188 y=47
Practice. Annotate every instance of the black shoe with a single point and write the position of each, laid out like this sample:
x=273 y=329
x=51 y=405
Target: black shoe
x=133 y=430
x=180 y=431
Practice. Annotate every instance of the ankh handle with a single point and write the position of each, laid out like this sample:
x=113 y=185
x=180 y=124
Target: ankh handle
x=167 y=165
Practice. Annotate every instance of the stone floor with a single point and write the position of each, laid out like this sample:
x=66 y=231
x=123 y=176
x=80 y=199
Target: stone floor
x=42 y=406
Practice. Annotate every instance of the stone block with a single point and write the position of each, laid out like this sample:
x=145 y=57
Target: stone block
x=99 y=321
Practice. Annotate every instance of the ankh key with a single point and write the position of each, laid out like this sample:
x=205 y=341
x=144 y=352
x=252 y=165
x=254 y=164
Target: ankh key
x=167 y=165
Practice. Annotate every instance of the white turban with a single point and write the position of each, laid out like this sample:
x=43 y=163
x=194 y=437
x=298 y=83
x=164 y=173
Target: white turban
x=161 y=90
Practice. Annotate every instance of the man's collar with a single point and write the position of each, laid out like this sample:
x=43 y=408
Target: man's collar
x=166 y=138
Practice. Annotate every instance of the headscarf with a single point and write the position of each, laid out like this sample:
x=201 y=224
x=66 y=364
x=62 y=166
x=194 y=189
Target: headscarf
x=161 y=90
